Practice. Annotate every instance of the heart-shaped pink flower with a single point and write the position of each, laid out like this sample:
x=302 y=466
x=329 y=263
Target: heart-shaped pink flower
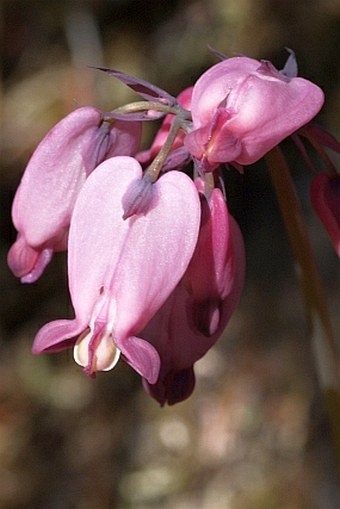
x=122 y=271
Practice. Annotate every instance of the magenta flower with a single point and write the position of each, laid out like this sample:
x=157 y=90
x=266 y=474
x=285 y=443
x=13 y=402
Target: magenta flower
x=178 y=343
x=325 y=197
x=242 y=108
x=122 y=271
x=218 y=259
x=55 y=174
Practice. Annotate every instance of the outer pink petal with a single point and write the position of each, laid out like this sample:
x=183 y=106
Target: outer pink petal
x=275 y=111
x=216 y=84
x=207 y=275
x=98 y=232
x=138 y=262
x=178 y=344
x=58 y=335
x=143 y=357
x=26 y=262
x=53 y=177
x=263 y=105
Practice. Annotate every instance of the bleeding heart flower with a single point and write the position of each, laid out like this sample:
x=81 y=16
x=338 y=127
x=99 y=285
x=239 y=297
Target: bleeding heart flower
x=242 y=108
x=56 y=172
x=122 y=271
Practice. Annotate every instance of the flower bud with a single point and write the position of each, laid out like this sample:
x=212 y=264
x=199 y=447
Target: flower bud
x=242 y=108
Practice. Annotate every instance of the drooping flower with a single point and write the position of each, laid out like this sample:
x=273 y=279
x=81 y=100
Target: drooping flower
x=242 y=108
x=178 y=343
x=325 y=197
x=55 y=174
x=122 y=271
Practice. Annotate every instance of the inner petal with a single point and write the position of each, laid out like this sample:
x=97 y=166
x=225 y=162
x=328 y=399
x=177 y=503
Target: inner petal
x=96 y=351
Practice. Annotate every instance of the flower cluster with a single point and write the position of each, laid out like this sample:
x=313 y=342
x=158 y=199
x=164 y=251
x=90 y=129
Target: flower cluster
x=156 y=262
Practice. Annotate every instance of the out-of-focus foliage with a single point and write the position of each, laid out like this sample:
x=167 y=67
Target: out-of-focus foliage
x=253 y=435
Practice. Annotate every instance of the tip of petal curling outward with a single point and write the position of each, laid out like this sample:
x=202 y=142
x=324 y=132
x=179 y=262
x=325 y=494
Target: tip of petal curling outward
x=57 y=336
x=26 y=262
x=142 y=356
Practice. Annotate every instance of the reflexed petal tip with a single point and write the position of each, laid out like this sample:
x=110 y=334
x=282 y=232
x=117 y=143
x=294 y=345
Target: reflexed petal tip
x=141 y=356
x=26 y=262
x=57 y=336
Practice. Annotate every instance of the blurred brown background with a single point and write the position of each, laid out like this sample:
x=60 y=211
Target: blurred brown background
x=254 y=435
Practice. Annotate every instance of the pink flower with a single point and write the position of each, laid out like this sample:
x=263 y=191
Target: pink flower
x=55 y=174
x=242 y=108
x=325 y=197
x=218 y=259
x=178 y=343
x=122 y=271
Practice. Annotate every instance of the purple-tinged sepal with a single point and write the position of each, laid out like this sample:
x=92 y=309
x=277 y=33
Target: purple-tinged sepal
x=142 y=87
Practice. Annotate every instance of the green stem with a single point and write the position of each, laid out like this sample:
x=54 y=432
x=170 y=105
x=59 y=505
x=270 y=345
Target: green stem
x=153 y=106
x=155 y=167
x=323 y=341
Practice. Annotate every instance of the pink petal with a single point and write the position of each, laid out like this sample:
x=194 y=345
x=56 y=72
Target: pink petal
x=210 y=275
x=26 y=262
x=264 y=107
x=178 y=344
x=142 y=356
x=138 y=261
x=56 y=172
x=56 y=336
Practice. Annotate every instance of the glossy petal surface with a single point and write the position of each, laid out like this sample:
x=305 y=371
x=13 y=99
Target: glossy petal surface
x=122 y=271
x=56 y=172
x=262 y=106
x=178 y=343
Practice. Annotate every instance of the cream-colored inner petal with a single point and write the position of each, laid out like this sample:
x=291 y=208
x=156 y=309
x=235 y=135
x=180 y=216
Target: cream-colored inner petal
x=105 y=355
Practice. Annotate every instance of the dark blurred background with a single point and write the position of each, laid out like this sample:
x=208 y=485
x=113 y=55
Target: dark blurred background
x=254 y=435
